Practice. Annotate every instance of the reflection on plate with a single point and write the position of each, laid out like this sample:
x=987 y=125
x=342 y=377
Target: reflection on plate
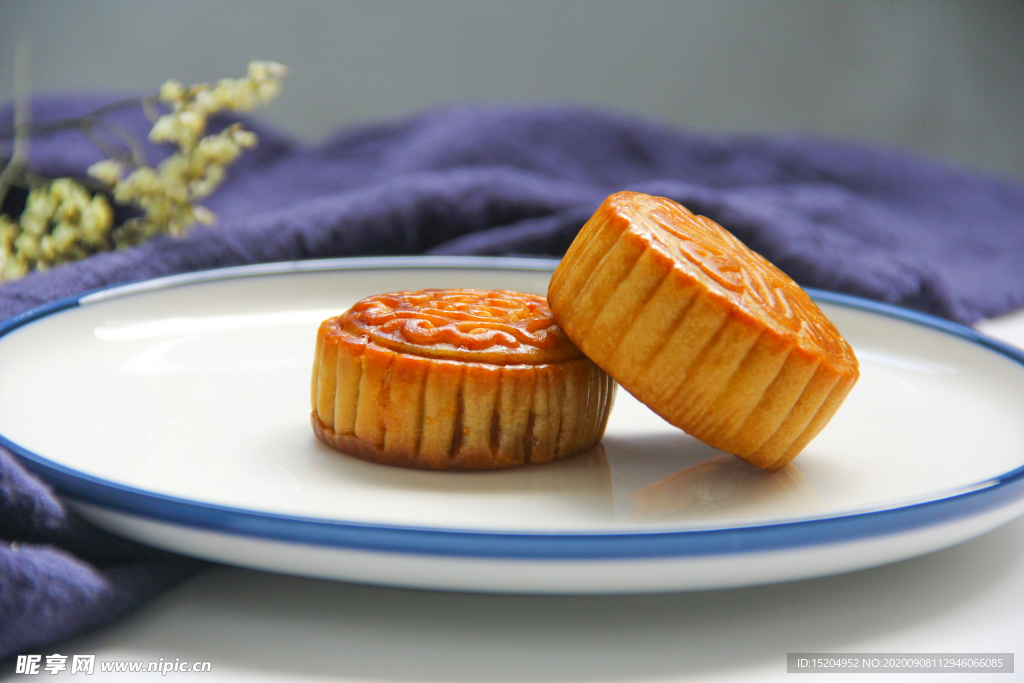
x=726 y=487
x=175 y=412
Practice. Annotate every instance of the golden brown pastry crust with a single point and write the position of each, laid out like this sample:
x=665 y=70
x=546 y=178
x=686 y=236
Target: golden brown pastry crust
x=706 y=332
x=455 y=379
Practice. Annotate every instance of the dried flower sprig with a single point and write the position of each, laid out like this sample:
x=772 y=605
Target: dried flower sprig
x=63 y=221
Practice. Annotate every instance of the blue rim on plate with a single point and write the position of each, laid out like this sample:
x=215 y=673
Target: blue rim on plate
x=960 y=503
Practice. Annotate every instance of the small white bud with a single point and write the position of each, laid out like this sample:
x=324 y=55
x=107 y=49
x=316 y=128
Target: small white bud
x=39 y=204
x=268 y=90
x=9 y=231
x=108 y=171
x=244 y=138
x=174 y=169
x=216 y=149
x=193 y=122
x=206 y=101
x=97 y=220
x=166 y=129
x=171 y=92
x=27 y=245
x=14 y=269
x=64 y=238
x=213 y=176
x=242 y=95
x=259 y=71
x=204 y=215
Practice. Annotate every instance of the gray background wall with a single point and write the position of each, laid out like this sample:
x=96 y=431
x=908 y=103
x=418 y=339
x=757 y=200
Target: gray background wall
x=943 y=77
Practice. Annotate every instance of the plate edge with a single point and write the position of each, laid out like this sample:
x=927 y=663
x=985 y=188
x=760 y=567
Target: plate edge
x=977 y=498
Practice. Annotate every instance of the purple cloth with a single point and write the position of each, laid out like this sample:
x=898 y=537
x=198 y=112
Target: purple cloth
x=872 y=222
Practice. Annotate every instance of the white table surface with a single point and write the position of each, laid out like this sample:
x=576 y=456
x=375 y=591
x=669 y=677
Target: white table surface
x=256 y=626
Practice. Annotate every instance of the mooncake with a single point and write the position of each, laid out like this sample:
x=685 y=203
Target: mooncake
x=455 y=379
x=706 y=332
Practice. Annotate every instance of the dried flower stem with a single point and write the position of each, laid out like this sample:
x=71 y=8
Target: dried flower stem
x=22 y=122
x=93 y=118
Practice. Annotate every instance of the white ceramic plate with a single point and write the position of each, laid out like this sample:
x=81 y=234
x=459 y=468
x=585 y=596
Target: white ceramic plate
x=176 y=412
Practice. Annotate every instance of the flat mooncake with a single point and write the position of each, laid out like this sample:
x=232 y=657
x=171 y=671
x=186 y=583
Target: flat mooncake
x=455 y=379
x=706 y=332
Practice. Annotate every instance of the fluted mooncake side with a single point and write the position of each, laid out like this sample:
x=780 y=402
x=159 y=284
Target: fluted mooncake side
x=706 y=332
x=455 y=379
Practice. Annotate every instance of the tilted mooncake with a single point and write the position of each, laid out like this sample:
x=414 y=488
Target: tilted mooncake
x=455 y=379
x=706 y=332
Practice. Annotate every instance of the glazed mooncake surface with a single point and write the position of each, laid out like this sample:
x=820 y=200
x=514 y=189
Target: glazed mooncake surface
x=455 y=379
x=705 y=331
